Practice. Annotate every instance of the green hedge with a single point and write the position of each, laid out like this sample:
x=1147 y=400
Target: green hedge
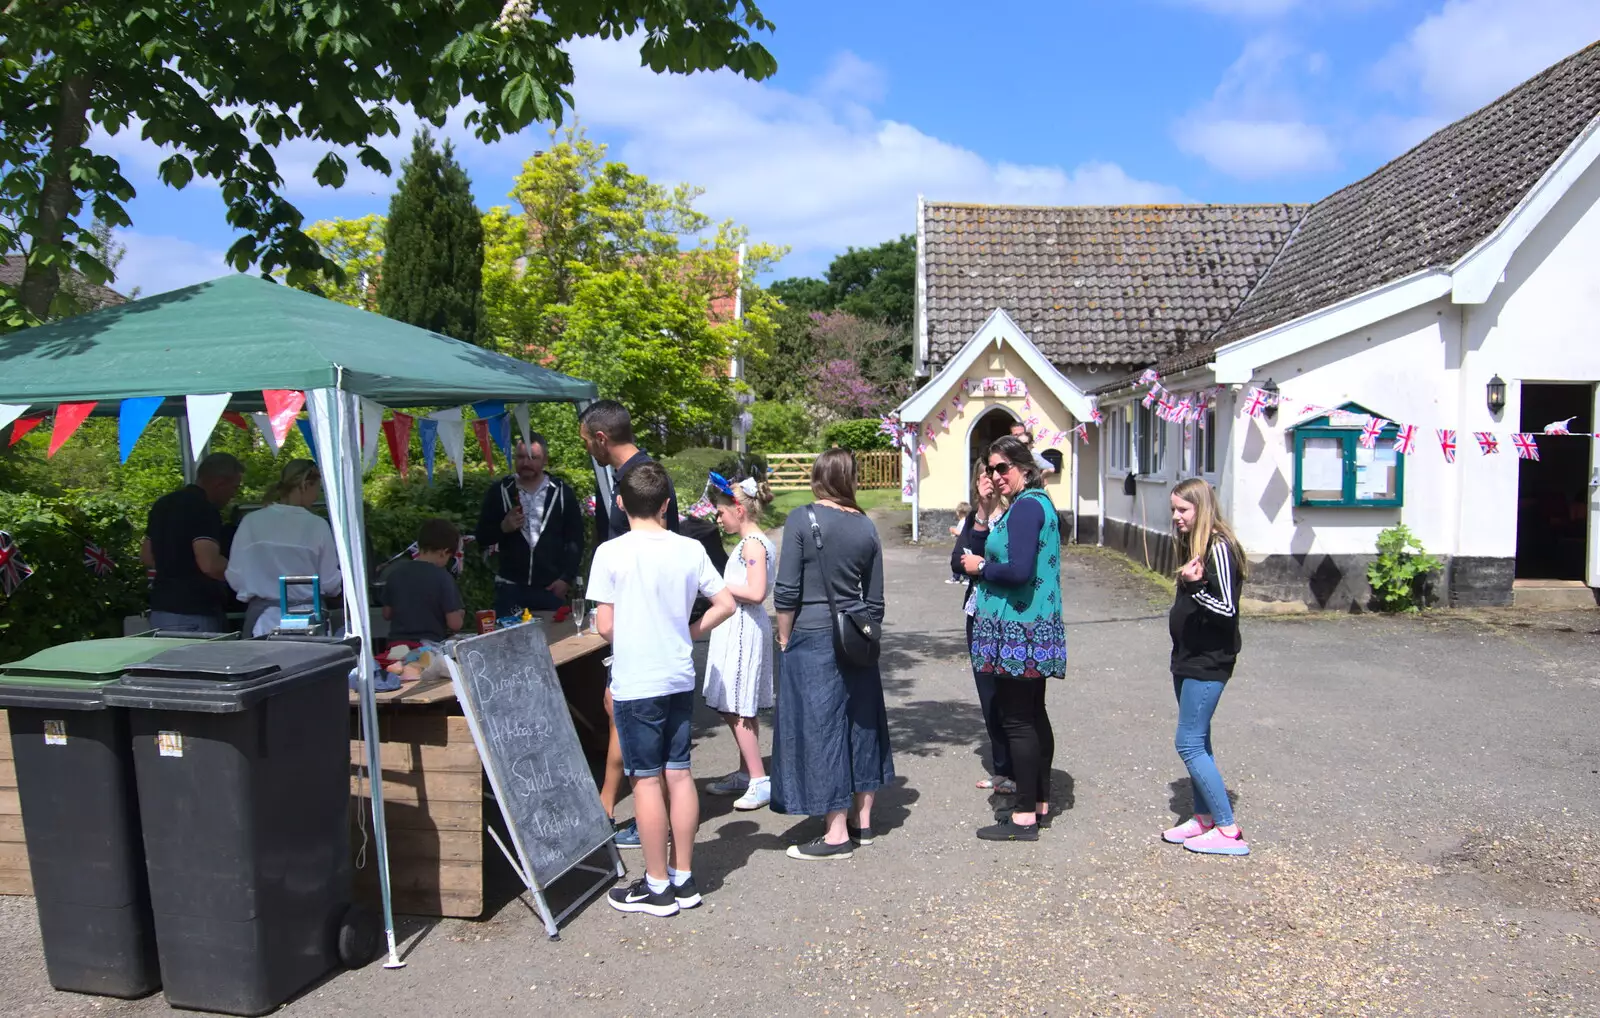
x=781 y=427
x=856 y=435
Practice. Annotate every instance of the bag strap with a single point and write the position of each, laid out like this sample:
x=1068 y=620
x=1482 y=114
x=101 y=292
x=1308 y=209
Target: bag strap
x=822 y=560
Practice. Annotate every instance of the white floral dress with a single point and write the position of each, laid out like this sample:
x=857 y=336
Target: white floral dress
x=739 y=657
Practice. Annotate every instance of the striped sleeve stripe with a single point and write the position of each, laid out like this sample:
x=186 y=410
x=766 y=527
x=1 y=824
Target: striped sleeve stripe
x=1222 y=563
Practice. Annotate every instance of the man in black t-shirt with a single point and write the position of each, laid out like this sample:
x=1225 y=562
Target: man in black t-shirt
x=607 y=431
x=184 y=544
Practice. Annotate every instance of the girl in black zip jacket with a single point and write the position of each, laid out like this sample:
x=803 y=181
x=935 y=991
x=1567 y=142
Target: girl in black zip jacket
x=1205 y=643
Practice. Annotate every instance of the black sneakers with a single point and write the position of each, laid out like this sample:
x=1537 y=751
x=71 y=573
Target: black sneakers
x=860 y=835
x=1005 y=830
x=687 y=893
x=819 y=850
x=637 y=897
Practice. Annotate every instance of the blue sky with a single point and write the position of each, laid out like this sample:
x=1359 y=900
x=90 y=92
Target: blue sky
x=1063 y=102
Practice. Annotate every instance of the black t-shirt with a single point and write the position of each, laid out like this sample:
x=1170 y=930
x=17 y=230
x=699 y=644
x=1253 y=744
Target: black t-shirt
x=419 y=595
x=617 y=519
x=176 y=521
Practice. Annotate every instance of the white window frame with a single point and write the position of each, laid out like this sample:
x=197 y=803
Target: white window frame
x=1150 y=442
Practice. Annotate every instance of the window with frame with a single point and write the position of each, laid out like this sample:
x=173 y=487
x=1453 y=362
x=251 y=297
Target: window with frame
x=1200 y=445
x=1150 y=440
x=1116 y=425
x=1331 y=468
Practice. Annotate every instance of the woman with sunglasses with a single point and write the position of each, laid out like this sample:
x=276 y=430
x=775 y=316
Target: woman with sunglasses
x=987 y=509
x=1018 y=635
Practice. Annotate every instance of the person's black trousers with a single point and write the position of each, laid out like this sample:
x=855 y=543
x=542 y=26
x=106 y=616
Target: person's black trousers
x=1019 y=703
x=999 y=748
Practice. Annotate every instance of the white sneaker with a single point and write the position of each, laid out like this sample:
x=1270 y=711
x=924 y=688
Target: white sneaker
x=759 y=794
x=730 y=784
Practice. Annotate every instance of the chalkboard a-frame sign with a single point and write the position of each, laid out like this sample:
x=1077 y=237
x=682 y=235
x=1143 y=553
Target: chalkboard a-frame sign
x=507 y=686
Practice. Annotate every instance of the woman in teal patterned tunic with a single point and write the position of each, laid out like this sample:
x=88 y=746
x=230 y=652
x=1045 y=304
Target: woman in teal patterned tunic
x=1018 y=635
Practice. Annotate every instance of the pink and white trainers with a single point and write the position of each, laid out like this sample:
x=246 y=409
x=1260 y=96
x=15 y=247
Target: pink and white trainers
x=1190 y=828
x=1214 y=842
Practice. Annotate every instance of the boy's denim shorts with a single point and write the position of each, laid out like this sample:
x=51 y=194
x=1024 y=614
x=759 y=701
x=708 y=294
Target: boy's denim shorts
x=654 y=733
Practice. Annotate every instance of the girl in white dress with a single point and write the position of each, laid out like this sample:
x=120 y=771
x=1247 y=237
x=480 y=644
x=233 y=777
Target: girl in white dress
x=739 y=657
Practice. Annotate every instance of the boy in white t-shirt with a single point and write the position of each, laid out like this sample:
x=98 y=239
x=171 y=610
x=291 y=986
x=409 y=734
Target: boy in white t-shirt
x=644 y=585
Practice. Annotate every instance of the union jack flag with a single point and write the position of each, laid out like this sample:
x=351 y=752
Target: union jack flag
x=1405 y=443
x=1487 y=442
x=1559 y=427
x=1167 y=410
x=1013 y=386
x=97 y=559
x=12 y=569
x=1082 y=431
x=1447 y=443
x=1096 y=416
x=1370 y=432
x=956 y=403
x=1184 y=408
x=944 y=420
x=1027 y=402
x=1527 y=445
x=1257 y=404
x=1309 y=409
x=1150 y=398
x=1149 y=376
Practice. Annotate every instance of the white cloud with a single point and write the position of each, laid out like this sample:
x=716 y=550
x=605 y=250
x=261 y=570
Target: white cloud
x=1471 y=51
x=808 y=170
x=155 y=264
x=851 y=78
x=1253 y=127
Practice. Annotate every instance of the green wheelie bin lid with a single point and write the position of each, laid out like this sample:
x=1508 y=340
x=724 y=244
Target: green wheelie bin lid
x=74 y=675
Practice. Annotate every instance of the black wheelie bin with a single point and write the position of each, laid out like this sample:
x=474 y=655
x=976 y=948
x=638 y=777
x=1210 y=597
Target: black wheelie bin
x=242 y=754
x=80 y=814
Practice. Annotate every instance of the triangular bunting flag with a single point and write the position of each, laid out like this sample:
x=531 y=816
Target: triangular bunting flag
x=500 y=430
x=428 y=435
x=283 y=407
x=397 y=436
x=480 y=428
x=236 y=419
x=371 y=431
x=485 y=409
x=453 y=436
x=264 y=425
x=69 y=418
x=521 y=412
x=132 y=418
x=204 y=413
x=23 y=426
x=304 y=424
x=10 y=412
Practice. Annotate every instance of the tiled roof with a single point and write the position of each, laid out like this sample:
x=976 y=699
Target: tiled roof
x=1101 y=285
x=94 y=297
x=1427 y=208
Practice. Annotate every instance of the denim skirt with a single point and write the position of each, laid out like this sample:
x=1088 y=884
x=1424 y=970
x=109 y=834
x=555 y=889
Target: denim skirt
x=830 y=732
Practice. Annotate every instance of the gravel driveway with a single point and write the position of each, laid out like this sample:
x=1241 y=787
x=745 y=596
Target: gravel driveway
x=1421 y=796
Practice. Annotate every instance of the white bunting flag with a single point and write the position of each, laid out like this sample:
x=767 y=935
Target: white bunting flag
x=371 y=432
x=204 y=413
x=520 y=412
x=264 y=425
x=453 y=436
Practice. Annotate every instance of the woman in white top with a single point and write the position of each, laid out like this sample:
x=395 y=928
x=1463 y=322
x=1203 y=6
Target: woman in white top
x=284 y=538
x=739 y=657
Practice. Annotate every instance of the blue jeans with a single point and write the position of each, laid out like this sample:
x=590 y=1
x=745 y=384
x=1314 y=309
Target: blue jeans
x=654 y=733
x=175 y=622
x=1197 y=702
x=511 y=598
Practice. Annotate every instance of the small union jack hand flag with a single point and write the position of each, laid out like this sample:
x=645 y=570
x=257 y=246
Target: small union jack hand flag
x=1370 y=432
x=1257 y=404
x=1487 y=442
x=97 y=559
x=12 y=569
x=1527 y=445
x=1405 y=443
x=1447 y=443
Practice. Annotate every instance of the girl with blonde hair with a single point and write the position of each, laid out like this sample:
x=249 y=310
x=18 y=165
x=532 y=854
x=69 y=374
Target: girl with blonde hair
x=1205 y=644
x=739 y=657
x=283 y=538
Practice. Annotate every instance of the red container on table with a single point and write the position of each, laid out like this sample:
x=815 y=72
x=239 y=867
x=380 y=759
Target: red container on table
x=486 y=621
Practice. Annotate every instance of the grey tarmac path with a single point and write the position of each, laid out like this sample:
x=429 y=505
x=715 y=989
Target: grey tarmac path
x=1420 y=794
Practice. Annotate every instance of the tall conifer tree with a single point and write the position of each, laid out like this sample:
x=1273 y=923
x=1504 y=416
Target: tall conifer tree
x=432 y=273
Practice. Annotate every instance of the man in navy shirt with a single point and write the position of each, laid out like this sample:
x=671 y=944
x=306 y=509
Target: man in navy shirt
x=607 y=431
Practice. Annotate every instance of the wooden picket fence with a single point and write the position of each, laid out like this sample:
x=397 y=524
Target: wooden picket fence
x=791 y=471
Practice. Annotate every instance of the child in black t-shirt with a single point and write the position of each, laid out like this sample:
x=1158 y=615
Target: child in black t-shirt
x=420 y=597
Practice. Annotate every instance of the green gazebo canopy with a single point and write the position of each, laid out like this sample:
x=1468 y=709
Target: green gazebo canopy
x=242 y=334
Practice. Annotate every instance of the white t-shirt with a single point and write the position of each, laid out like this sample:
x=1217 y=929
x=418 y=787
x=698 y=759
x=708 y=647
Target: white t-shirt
x=282 y=540
x=650 y=579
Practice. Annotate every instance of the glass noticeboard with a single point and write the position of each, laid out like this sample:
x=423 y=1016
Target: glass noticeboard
x=1332 y=468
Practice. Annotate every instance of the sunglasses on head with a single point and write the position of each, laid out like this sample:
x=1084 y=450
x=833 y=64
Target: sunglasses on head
x=999 y=468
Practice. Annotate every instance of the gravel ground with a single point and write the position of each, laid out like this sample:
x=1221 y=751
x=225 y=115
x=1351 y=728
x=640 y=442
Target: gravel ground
x=1421 y=796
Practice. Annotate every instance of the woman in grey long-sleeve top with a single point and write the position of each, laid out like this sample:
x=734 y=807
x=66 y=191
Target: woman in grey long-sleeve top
x=830 y=733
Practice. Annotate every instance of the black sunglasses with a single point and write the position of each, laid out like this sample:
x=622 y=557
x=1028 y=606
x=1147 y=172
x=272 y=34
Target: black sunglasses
x=996 y=469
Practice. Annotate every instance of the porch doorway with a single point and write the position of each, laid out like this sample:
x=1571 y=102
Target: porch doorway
x=994 y=423
x=1553 y=491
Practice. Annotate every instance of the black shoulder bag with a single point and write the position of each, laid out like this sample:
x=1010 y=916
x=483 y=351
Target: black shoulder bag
x=855 y=635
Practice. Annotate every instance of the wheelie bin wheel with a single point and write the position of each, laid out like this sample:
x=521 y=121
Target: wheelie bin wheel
x=360 y=936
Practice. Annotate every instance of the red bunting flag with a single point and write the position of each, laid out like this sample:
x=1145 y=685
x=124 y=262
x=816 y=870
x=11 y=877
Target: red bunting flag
x=480 y=427
x=1527 y=445
x=283 y=406
x=1487 y=442
x=236 y=419
x=69 y=418
x=397 y=435
x=1405 y=443
x=23 y=426
x=1447 y=444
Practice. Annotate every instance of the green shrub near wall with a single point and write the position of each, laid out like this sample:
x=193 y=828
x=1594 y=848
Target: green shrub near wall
x=781 y=427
